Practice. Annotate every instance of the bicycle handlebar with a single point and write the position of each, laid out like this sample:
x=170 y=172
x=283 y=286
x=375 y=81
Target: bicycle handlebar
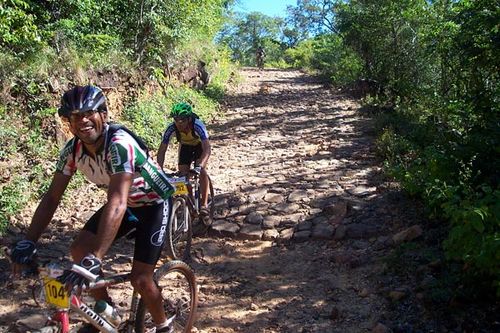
x=193 y=171
x=85 y=273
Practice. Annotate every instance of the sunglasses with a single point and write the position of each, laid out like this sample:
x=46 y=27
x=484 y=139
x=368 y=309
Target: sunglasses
x=80 y=115
x=180 y=119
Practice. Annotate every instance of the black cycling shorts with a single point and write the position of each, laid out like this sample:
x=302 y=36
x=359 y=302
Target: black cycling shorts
x=149 y=224
x=189 y=154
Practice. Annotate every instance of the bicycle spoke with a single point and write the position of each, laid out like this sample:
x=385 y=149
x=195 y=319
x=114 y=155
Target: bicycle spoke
x=178 y=288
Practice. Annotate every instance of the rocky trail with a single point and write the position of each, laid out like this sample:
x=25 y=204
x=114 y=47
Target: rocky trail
x=306 y=213
x=306 y=224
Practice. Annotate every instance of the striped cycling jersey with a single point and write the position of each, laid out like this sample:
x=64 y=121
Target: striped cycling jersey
x=150 y=184
x=187 y=138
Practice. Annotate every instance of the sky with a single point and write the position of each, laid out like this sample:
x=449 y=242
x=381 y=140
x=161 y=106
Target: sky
x=268 y=7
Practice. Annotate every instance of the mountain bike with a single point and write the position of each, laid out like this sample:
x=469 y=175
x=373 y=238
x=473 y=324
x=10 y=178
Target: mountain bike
x=175 y=279
x=185 y=219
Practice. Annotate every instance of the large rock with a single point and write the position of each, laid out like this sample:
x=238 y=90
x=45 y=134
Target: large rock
x=271 y=221
x=335 y=212
x=254 y=218
x=408 y=234
x=250 y=232
x=302 y=236
x=274 y=198
x=287 y=208
x=323 y=231
x=270 y=235
x=297 y=195
x=224 y=228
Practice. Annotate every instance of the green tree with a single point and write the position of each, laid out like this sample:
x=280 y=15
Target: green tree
x=18 y=31
x=244 y=33
x=386 y=35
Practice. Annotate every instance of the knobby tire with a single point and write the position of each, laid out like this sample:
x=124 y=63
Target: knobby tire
x=178 y=241
x=177 y=283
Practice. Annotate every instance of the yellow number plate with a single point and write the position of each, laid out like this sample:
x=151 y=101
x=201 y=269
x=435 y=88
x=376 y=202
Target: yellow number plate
x=180 y=188
x=55 y=293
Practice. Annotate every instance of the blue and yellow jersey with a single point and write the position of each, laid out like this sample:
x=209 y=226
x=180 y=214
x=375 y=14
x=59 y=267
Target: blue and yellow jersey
x=192 y=138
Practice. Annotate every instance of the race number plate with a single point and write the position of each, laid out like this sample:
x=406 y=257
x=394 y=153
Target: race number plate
x=180 y=188
x=55 y=293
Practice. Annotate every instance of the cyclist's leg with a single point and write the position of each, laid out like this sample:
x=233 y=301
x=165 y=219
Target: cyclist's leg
x=86 y=240
x=150 y=237
x=142 y=280
x=203 y=176
x=185 y=159
x=204 y=187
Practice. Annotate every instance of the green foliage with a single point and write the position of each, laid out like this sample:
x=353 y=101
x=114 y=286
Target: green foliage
x=301 y=55
x=428 y=164
x=13 y=197
x=18 y=31
x=244 y=33
x=475 y=234
x=158 y=25
x=435 y=62
x=8 y=135
x=327 y=55
x=217 y=60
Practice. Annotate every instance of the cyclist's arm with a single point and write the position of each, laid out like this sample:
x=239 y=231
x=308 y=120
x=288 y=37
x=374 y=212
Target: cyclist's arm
x=113 y=212
x=165 y=140
x=205 y=145
x=162 y=150
x=47 y=206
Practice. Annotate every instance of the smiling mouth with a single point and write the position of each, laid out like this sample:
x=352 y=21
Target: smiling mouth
x=86 y=129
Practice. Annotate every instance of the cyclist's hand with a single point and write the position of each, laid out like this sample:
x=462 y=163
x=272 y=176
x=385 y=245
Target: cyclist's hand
x=23 y=252
x=81 y=274
x=197 y=169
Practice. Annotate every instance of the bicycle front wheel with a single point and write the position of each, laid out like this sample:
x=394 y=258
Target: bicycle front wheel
x=177 y=284
x=180 y=230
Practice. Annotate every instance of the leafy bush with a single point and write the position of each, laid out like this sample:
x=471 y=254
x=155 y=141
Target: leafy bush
x=328 y=55
x=18 y=31
x=13 y=196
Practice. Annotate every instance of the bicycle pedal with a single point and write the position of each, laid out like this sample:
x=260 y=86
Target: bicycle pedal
x=206 y=220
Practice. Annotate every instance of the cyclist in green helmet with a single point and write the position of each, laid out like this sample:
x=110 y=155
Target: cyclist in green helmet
x=194 y=145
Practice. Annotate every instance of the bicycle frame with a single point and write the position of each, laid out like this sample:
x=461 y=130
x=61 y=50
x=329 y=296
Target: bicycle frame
x=61 y=316
x=193 y=195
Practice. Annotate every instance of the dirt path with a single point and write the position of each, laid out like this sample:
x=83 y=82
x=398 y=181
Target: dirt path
x=304 y=226
x=307 y=217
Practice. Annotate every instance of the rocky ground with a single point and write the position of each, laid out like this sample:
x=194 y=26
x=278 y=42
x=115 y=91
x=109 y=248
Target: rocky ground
x=309 y=236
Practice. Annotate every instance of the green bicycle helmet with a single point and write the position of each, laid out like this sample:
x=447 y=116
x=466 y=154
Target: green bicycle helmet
x=181 y=110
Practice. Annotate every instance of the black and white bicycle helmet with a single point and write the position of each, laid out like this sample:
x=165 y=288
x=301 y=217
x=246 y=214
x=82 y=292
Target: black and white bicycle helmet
x=82 y=99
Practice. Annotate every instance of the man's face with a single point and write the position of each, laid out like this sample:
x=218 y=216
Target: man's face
x=183 y=123
x=87 y=126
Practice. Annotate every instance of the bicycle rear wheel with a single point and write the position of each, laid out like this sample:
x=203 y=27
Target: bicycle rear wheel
x=180 y=230
x=177 y=284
